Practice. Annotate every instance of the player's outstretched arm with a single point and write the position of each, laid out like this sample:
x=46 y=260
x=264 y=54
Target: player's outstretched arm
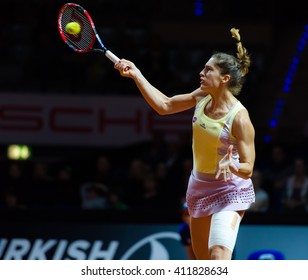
x=160 y=102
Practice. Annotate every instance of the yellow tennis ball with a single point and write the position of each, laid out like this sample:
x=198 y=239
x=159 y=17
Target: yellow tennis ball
x=72 y=28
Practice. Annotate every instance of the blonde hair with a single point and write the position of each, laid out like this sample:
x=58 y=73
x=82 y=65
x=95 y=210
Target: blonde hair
x=242 y=56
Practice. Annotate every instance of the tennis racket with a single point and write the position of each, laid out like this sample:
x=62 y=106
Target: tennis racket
x=85 y=40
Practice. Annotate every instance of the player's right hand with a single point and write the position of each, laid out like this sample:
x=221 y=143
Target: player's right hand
x=126 y=68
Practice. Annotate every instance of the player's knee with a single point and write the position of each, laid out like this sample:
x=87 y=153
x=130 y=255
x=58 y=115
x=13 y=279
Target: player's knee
x=218 y=252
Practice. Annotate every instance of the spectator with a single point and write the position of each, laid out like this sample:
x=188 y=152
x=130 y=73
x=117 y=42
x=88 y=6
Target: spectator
x=116 y=202
x=275 y=174
x=137 y=171
x=150 y=196
x=67 y=188
x=11 y=200
x=14 y=183
x=262 y=197
x=94 y=196
x=296 y=191
x=104 y=171
x=42 y=193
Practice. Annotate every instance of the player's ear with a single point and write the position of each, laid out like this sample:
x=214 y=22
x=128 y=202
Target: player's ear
x=225 y=78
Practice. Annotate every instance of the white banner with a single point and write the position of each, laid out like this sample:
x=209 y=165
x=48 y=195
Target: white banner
x=147 y=270
x=83 y=120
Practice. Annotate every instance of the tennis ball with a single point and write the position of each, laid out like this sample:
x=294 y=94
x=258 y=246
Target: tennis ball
x=72 y=28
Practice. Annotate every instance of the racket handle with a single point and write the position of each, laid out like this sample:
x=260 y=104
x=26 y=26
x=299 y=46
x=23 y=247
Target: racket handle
x=114 y=58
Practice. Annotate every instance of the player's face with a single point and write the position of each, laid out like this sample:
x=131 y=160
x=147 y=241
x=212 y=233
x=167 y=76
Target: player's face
x=210 y=77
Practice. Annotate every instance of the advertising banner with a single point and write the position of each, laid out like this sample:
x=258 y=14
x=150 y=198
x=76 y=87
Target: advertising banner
x=84 y=120
x=90 y=242
x=83 y=241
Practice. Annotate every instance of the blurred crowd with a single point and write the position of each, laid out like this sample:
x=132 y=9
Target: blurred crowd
x=152 y=176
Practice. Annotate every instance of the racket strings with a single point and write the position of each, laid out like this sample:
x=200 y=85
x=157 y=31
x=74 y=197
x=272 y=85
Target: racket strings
x=85 y=39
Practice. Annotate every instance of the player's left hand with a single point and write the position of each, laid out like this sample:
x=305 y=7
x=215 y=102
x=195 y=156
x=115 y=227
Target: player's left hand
x=226 y=166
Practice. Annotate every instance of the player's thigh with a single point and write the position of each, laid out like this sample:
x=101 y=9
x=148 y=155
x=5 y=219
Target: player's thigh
x=223 y=234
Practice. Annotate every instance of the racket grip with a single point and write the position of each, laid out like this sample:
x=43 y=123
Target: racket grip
x=114 y=58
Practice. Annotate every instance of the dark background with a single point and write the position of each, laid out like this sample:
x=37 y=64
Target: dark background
x=170 y=44
x=166 y=39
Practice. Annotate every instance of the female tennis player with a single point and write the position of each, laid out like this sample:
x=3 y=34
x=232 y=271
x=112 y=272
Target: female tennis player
x=219 y=189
